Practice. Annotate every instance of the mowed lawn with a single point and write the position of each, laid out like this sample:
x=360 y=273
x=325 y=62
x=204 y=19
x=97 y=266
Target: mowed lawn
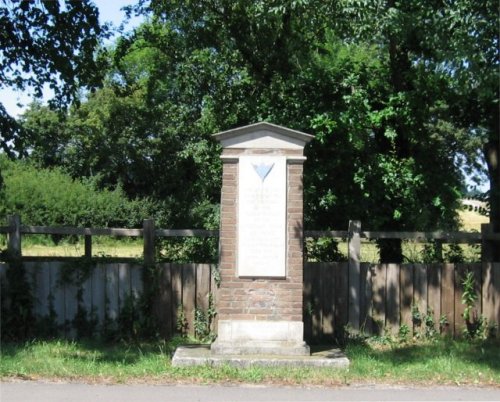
x=431 y=362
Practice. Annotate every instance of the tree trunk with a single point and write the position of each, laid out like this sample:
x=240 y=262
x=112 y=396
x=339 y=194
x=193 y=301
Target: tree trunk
x=492 y=155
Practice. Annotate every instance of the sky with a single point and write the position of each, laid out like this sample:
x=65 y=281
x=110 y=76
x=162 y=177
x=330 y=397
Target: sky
x=109 y=11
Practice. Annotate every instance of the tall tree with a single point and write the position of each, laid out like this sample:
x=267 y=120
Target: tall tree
x=46 y=43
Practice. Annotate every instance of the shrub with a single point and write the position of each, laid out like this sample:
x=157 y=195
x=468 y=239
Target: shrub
x=50 y=197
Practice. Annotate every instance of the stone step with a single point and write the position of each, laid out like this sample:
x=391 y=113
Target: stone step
x=200 y=355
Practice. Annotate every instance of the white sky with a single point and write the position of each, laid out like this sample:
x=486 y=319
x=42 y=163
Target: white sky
x=109 y=11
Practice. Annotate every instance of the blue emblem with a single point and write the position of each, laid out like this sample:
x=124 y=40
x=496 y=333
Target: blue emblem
x=263 y=170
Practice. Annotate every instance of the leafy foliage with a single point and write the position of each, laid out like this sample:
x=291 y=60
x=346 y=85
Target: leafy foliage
x=400 y=96
x=47 y=43
x=51 y=198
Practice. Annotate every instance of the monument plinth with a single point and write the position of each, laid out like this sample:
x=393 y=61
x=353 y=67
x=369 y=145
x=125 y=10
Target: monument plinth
x=261 y=260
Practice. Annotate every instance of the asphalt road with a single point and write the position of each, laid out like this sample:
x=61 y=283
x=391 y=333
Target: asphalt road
x=27 y=391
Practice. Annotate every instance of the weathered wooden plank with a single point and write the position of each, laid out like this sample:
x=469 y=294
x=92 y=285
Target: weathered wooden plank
x=448 y=297
x=98 y=290
x=112 y=291
x=214 y=291
x=476 y=271
x=42 y=289
x=326 y=233
x=327 y=274
x=189 y=294
x=81 y=231
x=420 y=288
x=434 y=291
x=34 y=275
x=57 y=292
x=341 y=297
x=176 y=275
x=30 y=269
x=449 y=237
x=316 y=302
x=406 y=294
x=354 y=274
x=363 y=302
x=488 y=292
x=86 y=290
x=307 y=300
x=368 y=320
x=186 y=233
x=393 y=298
x=460 y=272
x=70 y=305
x=202 y=286
x=163 y=308
x=379 y=278
x=3 y=271
x=496 y=286
x=124 y=286
x=136 y=282
x=148 y=231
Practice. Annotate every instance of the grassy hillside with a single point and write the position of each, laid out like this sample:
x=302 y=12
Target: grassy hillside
x=471 y=221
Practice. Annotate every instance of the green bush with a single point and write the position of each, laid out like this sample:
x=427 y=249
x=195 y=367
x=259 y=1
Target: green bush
x=50 y=197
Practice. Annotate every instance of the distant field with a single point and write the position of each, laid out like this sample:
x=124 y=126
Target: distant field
x=118 y=249
x=471 y=221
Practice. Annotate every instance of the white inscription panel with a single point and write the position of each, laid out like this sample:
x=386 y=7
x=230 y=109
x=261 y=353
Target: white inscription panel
x=262 y=216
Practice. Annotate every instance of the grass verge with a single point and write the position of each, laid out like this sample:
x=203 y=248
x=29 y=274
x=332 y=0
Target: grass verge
x=441 y=362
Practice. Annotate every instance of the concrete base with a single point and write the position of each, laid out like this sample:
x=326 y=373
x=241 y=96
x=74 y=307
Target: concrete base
x=200 y=355
x=252 y=337
x=257 y=348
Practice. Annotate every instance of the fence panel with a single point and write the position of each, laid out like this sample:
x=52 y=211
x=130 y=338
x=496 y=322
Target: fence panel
x=379 y=279
x=327 y=282
x=104 y=293
x=491 y=291
x=448 y=297
x=387 y=293
x=434 y=291
x=189 y=294
x=406 y=294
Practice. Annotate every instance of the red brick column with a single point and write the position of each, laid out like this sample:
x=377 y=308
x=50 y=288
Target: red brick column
x=260 y=298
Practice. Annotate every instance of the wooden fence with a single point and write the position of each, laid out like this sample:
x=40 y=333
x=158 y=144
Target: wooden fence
x=105 y=289
x=369 y=297
x=384 y=296
x=380 y=298
x=14 y=230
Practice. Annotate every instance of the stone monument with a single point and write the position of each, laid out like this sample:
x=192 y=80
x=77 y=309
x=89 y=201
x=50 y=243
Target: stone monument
x=260 y=261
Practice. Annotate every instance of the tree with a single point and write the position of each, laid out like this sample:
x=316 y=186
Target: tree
x=47 y=43
x=370 y=78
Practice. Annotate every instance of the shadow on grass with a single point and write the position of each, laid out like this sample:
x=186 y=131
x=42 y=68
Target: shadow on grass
x=94 y=350
x=480 y=353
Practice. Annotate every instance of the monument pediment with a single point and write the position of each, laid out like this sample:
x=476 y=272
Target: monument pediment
x=263 y=135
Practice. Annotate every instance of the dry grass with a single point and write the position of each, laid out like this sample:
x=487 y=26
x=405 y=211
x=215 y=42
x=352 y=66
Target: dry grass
x=471 y=221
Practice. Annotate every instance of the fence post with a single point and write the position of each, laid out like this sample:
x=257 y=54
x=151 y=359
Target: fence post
x=486 y=249
x=148 y=226
x=354 y=252
x=439 y=250
x=88 y=246
x=14 y=236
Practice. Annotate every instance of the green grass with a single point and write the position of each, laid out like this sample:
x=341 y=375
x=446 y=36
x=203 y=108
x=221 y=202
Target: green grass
x=442 y=361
